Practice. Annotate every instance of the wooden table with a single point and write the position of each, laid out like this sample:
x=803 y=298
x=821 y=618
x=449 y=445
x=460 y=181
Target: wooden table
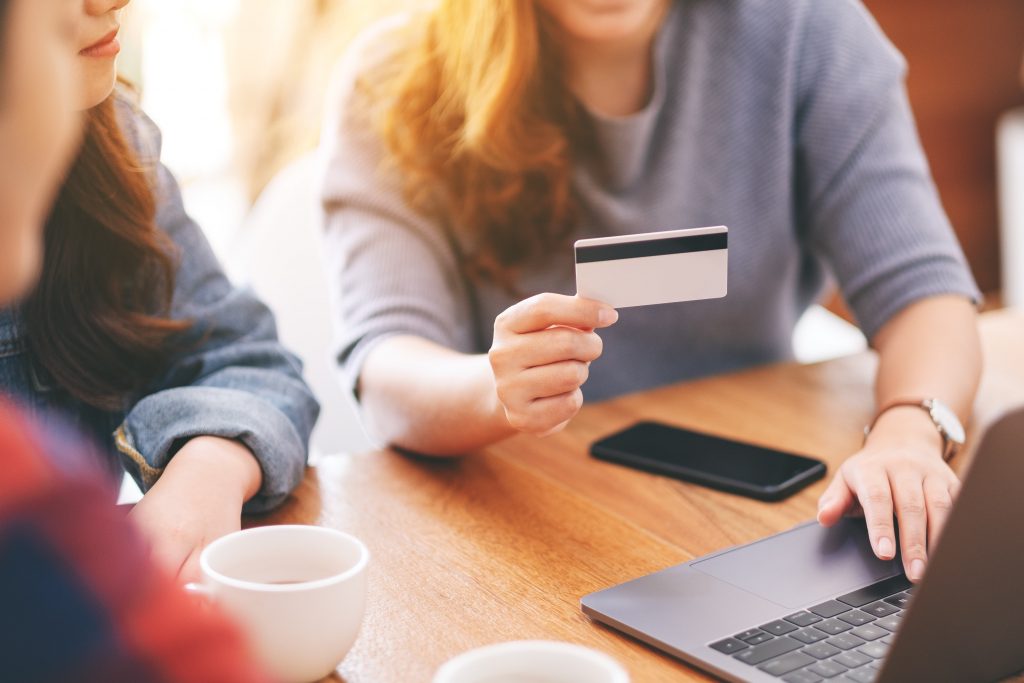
x=501 y=545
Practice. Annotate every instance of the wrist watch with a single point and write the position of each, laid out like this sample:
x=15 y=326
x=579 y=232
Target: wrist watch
x=944 y=419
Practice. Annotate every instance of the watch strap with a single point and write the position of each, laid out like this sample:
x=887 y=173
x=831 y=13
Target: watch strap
x=949 y=446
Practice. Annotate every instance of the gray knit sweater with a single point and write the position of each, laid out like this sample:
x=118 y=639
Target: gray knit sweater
x=786 y=120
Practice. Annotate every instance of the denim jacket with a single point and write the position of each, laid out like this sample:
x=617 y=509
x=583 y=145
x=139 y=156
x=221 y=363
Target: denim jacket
x=231 y=377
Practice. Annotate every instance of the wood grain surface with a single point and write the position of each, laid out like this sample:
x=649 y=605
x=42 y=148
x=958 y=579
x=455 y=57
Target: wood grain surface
x=501 y=545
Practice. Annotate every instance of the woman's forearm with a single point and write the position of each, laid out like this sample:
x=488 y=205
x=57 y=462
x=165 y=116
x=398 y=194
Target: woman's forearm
x=929 y=350
x=429 y=399
x=423 y=397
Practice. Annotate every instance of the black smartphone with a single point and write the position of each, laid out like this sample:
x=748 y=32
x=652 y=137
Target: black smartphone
x=712 y=461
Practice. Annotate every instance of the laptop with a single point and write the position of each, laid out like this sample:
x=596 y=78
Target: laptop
x=814 y=604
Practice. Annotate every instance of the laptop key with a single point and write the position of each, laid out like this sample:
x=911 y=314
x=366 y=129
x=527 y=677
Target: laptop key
x=803 y=618
x=869 y=632
x=845 y=641
x=832 y=626
x=808 y=635
x=758 y=638
x=862 y=675
x=901 y=600
x=821 y=650
x=852 y=659
x=887 y=640
x=876 y=591
x=765 y=651
x=889 y=623
x=856 y=617
x=875 y=650
x=802 y=676
x=829 y=609
x=781 y=666
x=778 y=628
x=747 y=634
x=729 y=646
x=827 y=669
x=880 y=609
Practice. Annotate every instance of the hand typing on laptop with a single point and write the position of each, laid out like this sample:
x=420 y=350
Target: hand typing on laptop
x=901 y=471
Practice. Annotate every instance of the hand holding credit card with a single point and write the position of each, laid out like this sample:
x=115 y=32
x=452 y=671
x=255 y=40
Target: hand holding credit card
x=654 y=267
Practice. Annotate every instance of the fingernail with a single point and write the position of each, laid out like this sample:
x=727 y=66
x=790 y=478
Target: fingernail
x=885 y=548
x=916 y=570
x=824 y=503
x=607 y=316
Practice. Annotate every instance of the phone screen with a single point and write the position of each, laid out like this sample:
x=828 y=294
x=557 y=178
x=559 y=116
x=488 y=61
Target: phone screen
x=705 y=458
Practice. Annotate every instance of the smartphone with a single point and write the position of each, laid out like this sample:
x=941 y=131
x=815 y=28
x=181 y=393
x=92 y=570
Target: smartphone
x=712 y=461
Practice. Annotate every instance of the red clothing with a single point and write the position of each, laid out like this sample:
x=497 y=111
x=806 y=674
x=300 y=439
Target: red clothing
x=80 y=599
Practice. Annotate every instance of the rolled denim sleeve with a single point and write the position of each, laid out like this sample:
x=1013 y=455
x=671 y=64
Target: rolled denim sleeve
x=231 y=379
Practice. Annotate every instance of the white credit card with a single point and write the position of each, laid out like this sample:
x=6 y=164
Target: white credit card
x=654 y=267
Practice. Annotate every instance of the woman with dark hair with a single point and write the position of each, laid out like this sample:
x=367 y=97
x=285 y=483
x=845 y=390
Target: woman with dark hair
x=81 y=600
x=136 y=337
x=474 y=141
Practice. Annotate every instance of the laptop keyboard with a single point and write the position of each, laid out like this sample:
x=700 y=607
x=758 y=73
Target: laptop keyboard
x=844 y=639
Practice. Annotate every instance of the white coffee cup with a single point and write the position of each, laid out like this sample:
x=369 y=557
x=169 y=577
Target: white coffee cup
x=532 y=661
x=299 y=592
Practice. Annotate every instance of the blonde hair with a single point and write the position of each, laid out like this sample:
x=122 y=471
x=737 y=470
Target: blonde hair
x=479 y=126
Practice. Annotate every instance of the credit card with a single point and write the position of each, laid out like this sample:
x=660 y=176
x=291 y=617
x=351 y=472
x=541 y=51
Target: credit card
x=654 y=267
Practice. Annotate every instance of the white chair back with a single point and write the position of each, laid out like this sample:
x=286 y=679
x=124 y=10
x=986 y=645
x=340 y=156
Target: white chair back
x=278 y=254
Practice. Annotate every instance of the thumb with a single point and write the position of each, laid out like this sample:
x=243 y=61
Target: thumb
x=835 y=501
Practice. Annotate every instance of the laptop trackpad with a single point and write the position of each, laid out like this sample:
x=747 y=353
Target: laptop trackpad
x=803 y=566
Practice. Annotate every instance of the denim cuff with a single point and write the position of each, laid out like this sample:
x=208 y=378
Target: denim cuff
x=160 y=424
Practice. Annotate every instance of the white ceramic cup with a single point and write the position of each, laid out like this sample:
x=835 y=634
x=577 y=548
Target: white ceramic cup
x=299 y=592
x=532 y=661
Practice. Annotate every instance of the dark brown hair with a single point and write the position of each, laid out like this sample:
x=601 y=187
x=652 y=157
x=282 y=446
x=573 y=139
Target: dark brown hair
x=98 y=320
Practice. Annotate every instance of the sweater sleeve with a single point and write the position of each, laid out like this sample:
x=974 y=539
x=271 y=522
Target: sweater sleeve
x=392 y=270
x=231 y=377
x=866 y=197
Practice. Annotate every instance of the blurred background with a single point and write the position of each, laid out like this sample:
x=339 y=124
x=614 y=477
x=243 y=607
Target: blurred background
x=238 y=87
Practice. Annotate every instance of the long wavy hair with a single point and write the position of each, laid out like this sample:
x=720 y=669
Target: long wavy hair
x=98 y=321
x=481 y=129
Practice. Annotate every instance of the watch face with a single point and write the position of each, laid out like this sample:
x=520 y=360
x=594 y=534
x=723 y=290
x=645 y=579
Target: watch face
x=949 y=422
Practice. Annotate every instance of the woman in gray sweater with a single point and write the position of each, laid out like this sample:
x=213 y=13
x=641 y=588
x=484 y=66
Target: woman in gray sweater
x=473 y=143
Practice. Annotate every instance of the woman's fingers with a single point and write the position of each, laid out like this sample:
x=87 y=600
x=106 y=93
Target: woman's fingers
x=939 y=495
x=915 y=488
x=544 y=416
x=546 y=347
x=541 y=356
x=909 y=500
x=872 y=487
x=540 y=398
x=836 y=501
x=544 y=310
